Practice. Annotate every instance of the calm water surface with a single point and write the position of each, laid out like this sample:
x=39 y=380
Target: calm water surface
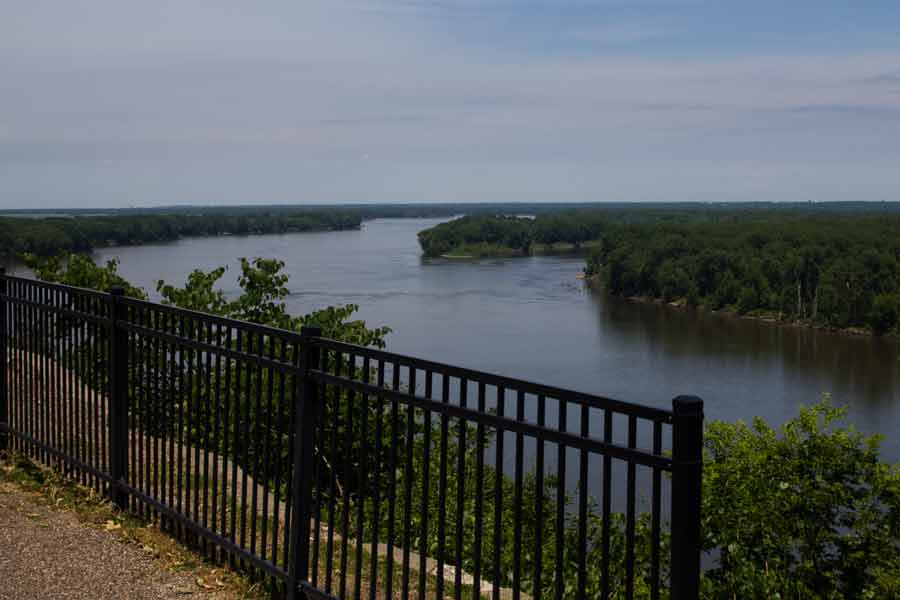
x=531 y=318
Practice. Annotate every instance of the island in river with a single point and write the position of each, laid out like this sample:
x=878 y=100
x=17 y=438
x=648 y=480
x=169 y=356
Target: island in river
x=836 y=271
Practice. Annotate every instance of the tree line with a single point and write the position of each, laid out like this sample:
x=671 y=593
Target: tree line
x=48 y=236
x=500 y=230
x=828 y=268
x=499 y=235
x=831 y=271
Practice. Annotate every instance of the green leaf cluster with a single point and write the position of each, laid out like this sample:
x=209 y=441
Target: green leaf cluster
x=807 y=511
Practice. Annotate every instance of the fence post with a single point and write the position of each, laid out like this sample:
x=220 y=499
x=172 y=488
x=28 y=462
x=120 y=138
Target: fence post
x=687 y=473
x=4 y=358
x=118 y=399
x=306 y=415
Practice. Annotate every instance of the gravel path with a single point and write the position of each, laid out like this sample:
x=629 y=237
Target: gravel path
x=48 y=553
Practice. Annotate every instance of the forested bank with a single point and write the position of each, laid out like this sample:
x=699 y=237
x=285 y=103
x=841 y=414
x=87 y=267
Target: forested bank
x=841 y=272
x=504 y=232
x=47 y=236
x=491 y=235
x=822 y=268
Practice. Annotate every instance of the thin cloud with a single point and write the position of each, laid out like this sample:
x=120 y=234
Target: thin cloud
x=891 y=79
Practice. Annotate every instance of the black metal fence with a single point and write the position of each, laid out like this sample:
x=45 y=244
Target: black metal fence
x=328 y=469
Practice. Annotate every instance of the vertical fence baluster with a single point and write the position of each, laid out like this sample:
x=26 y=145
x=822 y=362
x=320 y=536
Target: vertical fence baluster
x=200 y=399
x=208 y=429
x=334 y=418
x=323 y=417
x=4 y=362
x=460 y=489
x=267 y=458
x=256 y=430
x=133 y=370
x=479 y=494
x=71 y=387
x=41 y=359
x=426 y=480
x=392 y=492
x=39 y=370
x=11 y=362
x=517 y=499
x=407 y=486
x=348 y=474
x=183 y=425
x=363 y=474
x=376 y=485
x=607 y=505
x=151 y=411
x=118 y=425
x=232 y=528
x=169 y=412
x=687 y=472
x=158 y=406
x=498 y=495
x=307 y=409
x=560 y=503
x=290 y=418
x=54 y=376
x=279 y=427
x=582 y=507
x=655 y=514
x=539 y=500
x=68 y=387
x=93 y=386
x=244 y=412
x=442 y=488
x=225 y=401
x=34 y=391
x=629 y=512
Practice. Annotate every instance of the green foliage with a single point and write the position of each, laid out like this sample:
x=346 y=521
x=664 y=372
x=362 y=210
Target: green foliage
x=496 y=235
x=263 y=291
x=808 y=511
x=841 y=272
x=49 y=236
x=80 y=270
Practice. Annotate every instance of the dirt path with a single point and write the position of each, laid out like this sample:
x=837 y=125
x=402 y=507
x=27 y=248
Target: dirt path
x=49 y=553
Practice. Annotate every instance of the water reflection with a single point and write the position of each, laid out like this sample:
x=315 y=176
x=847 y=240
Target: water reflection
x=860 y=368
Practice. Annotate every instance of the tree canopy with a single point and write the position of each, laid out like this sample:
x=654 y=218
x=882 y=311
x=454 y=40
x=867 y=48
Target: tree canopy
x=47 y=236
x=838 y=271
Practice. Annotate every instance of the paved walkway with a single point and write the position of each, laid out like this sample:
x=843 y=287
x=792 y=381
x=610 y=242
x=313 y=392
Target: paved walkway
x=49 y=553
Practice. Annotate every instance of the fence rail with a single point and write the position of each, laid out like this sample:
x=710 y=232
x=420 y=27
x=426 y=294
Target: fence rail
x=327 y=469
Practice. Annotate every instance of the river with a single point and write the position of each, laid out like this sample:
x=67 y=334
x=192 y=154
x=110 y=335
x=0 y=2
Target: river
x=531 y=318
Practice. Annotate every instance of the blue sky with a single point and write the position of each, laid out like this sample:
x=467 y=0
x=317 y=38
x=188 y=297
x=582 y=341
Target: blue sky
x=124 y=103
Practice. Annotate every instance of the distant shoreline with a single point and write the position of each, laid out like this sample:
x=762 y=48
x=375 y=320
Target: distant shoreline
x=681 y=304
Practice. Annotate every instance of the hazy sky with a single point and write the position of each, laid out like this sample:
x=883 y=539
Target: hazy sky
x=121 y=103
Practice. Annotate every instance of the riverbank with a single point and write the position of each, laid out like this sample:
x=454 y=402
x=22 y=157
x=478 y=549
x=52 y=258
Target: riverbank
x=52 y=236
x=470 y=251
x=594 y=283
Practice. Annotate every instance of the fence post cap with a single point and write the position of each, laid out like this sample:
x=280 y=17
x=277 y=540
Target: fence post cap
x=311 y=331
x=117 y=290
x=687 y=405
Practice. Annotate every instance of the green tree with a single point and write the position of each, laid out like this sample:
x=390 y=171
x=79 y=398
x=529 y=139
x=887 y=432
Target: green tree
x=807 y=511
